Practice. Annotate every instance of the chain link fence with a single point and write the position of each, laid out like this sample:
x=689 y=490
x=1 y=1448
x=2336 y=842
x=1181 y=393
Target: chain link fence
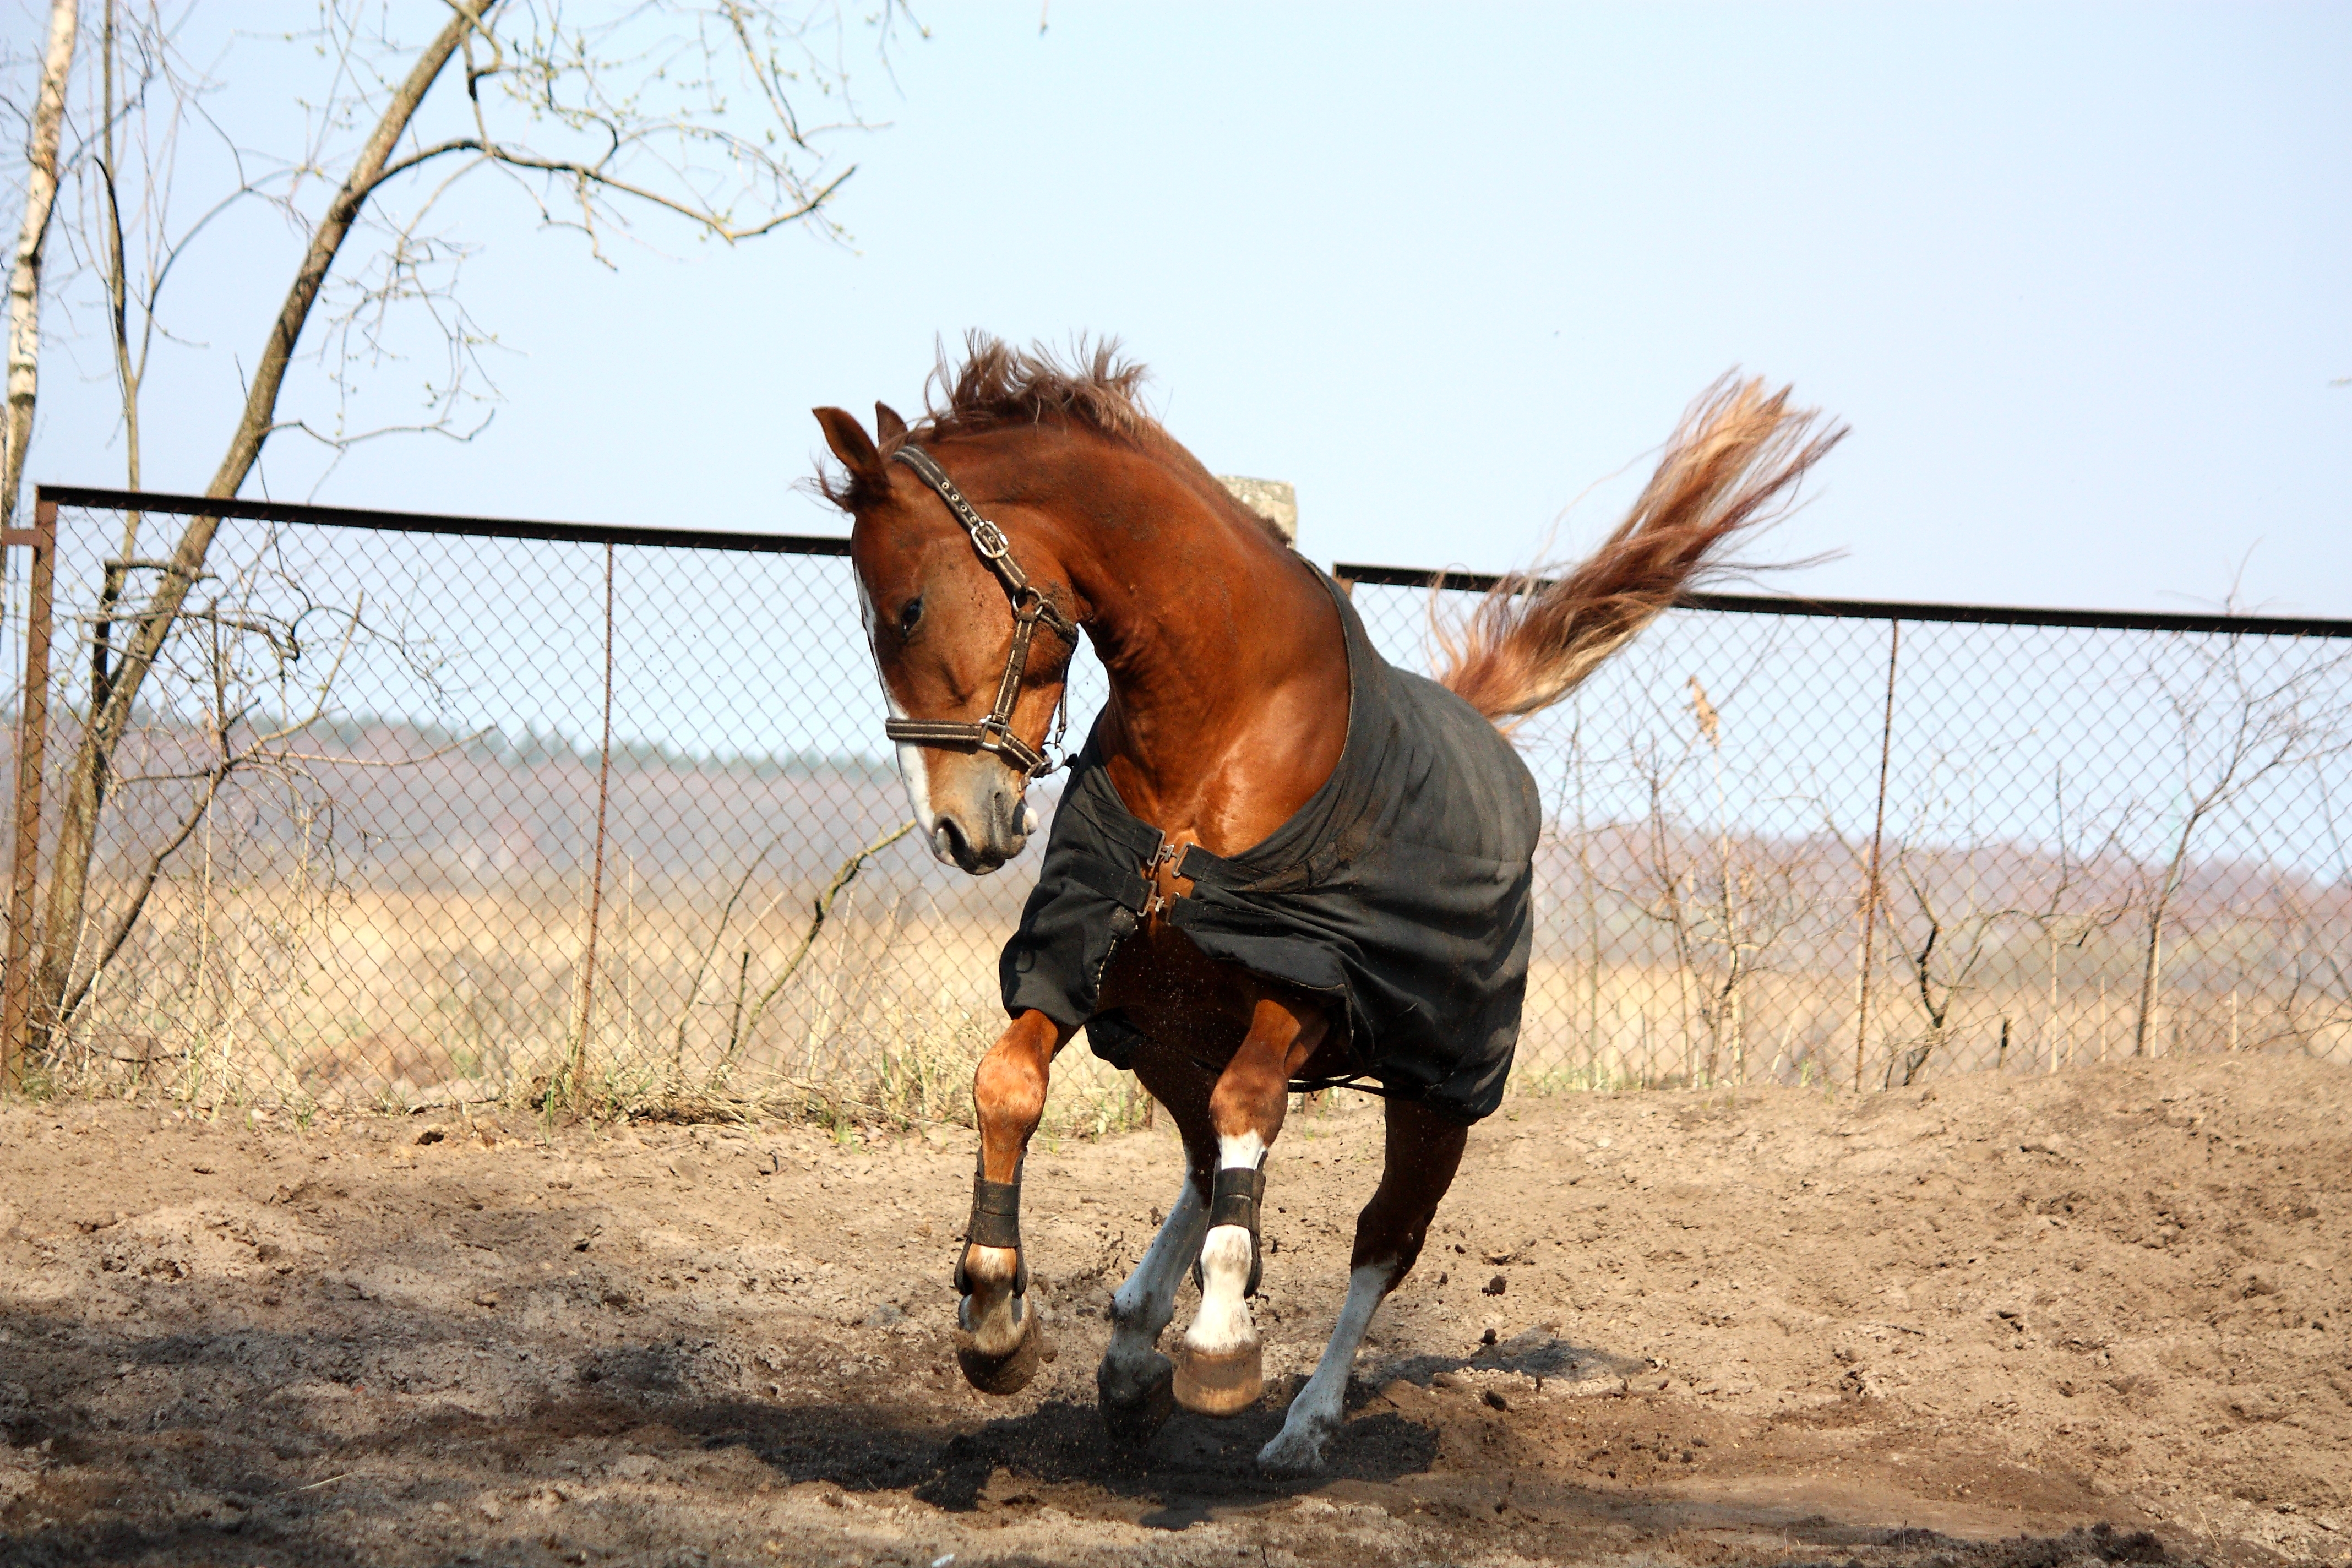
x=2092 y=836
x=412 y=810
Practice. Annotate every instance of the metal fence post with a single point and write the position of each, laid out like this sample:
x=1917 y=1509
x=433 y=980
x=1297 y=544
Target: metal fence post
x=1877 y=834
x=596 y=856
x=32 y=741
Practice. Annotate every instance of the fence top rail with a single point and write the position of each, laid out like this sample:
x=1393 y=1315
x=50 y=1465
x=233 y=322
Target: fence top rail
x=100 y=499
x=437 y=523
x=1897 y=610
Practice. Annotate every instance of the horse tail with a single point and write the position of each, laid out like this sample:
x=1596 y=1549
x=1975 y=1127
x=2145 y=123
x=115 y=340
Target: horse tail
x=1733 y=464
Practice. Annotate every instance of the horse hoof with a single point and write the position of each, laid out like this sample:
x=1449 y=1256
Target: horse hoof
x=1135 y=1408
x=1219 y=1382
x=1007 y=1373
x=1293 y=1454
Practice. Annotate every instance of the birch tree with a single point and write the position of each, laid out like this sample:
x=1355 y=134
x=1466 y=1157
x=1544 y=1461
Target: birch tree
x=47 y=120
x=690 y=110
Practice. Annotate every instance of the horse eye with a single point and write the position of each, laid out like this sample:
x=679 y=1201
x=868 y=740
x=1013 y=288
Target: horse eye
x=911 y=612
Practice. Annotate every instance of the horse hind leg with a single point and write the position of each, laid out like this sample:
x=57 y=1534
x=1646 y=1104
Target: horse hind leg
x=1423 y=1152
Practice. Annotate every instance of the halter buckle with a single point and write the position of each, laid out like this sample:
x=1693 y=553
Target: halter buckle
x=1030 y=606
x=1002 y=740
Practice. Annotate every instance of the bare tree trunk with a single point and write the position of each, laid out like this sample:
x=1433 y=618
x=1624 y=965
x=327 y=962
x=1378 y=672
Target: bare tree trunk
x=77 y=828
x=2151 y=974
x=24 y=275
x=128 y=375
x=1671 y=886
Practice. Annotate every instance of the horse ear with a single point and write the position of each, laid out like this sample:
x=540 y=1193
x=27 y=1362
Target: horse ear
x=850 y=443
x=889 y=426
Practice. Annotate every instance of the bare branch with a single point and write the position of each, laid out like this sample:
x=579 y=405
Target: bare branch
x=820 y=911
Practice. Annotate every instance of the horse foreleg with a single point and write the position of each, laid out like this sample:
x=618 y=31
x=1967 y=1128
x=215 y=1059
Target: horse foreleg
x=1422 y=1153
x=1000 y=1343
x=1222 y=1370
x=1135 y=1383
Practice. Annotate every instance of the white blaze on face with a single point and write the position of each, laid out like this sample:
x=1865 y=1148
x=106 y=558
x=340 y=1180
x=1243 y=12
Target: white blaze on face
x=914 y=767
x=915 y=772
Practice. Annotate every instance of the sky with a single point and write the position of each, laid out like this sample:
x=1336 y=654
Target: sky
x=2079 y=277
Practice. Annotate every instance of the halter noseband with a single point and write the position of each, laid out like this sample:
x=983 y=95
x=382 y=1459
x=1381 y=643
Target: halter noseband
x=1030 y=606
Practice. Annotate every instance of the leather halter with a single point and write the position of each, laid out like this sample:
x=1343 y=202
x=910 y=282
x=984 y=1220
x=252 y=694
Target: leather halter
x=1030 y=606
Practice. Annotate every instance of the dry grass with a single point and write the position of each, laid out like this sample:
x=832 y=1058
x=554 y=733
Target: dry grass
x=276 y=995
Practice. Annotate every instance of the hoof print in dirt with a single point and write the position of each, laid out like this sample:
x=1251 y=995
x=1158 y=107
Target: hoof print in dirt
x=1222 y=1382
x=1134 y=1407
x=2114 y=1545
x=1007 y=1373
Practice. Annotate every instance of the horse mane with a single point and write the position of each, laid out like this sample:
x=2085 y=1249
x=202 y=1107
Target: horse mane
x=998 y=384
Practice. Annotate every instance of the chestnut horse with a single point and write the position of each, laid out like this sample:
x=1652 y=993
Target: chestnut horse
x=1040 y=500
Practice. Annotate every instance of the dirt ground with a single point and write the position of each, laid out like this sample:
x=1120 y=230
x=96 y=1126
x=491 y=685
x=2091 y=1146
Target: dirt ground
x=2100 y=1317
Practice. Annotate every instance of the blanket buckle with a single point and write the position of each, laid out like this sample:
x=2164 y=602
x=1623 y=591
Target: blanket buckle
x=1157 y=899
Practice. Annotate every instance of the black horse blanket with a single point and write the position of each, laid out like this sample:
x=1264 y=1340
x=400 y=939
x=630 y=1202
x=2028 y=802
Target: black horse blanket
x=1404 y=890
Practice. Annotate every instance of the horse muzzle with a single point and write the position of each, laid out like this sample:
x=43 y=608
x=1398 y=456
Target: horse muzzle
x=981 y=836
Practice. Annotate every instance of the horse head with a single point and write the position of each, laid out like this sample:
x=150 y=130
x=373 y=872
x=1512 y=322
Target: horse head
x=973 y=651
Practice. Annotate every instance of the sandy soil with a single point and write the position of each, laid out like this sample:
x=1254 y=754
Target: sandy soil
x=2098 y=1317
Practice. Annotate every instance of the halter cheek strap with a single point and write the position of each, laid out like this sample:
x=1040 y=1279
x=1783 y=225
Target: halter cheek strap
x=1030 y=606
